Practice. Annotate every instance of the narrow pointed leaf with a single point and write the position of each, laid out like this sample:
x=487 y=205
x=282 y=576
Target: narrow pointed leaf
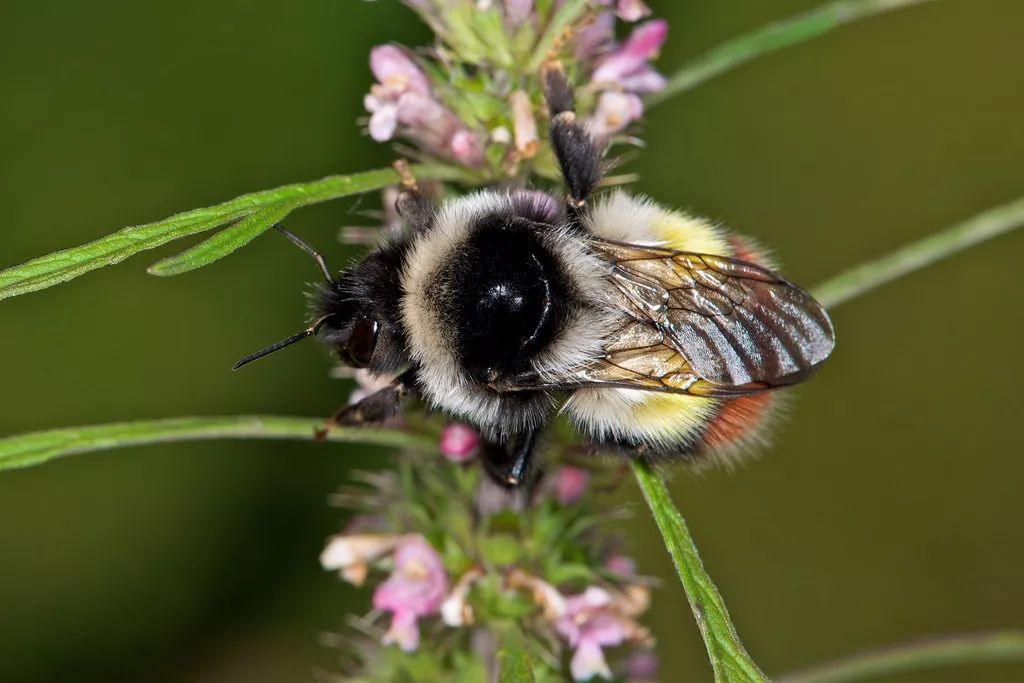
x=60 y=266
x=770 y=38
x=863 y=278
x=729 y=660
x=36 y=448
x=922 y=655
x=223 y=242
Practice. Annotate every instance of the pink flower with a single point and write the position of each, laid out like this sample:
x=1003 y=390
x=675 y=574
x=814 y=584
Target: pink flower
x=543 y=593
x=402 y=98
x=641 y=666
x=455 y=610
x=614 y=111
x=466 y=148
x=397 y=74
x=630 y=60
x=459 y=442
x=517 y=12
x=396 y=71
x=571 y=484
x=632 y=10
x=351 y=554
x=415 y=589
x=590 y=624
x=622 y=565
x=595 y=37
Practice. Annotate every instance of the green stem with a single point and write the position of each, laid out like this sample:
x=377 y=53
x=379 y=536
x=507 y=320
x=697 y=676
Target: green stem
x=865 y=277
x=514 y=662
x=729 y=660
x=36 y=448
x=770 y=38
x=915 y=656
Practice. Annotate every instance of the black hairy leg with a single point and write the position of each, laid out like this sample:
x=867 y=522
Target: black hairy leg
x=411 y=204
x=511 y=464
x=379 y=406
x=579 y=154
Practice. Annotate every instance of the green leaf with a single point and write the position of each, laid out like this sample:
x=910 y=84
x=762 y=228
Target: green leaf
x=770 y=38
x=224 y=242
x=38 y=447
x=863 y=278
x=61 y=266
x=501 y=549
x=729 y=660
x=514 y=660
x=929 y=653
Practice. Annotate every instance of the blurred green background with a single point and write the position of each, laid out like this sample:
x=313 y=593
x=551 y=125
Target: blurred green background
x=890 y=506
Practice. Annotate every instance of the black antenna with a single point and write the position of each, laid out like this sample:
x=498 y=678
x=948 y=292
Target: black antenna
x=305 y=246
x=283 y=343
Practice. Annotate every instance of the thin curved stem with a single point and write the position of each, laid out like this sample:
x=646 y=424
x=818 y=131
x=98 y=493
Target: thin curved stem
x=36 y=448
x=863 y=278
x=729 y=659
x=767 y=39
x=972 y=648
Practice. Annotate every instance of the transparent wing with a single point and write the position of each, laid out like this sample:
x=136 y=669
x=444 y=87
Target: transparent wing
x=704 y=325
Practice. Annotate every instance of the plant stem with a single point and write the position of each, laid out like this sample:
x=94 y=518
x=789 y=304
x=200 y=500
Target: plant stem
x=38 y=447
x=914 y=656
x=865 y=277
x=729 y=660
x=770 y=38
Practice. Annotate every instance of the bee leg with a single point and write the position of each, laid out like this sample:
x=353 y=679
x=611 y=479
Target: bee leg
x=411 y=204
x=579 y=154
x=513 y=469
x=379 y=406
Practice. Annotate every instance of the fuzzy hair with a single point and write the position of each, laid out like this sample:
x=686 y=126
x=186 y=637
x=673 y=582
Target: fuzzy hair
x=431 y=342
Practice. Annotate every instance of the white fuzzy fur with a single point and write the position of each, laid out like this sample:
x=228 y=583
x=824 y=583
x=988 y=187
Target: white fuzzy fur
x=445 y=385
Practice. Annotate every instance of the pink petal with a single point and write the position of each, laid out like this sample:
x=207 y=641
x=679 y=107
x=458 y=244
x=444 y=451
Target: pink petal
x=417 y=110
x=622 y=565
x=643 y=44
x=397 y=71
x=596 y=37
x=403 y=632
x=632 y=10
x=642 y=666
x=614 y=111
x=383 y=122
x=418 y=584
x=588 y=661
x=644 y=81
x=647 y=39
x=571 y=484
x=466 y=148
x=518 y=11
x=604 y=628
x=459 y=442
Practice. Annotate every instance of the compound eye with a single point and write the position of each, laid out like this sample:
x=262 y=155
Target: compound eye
x=362 y=342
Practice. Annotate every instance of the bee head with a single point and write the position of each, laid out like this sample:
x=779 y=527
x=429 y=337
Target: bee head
x=359 y=313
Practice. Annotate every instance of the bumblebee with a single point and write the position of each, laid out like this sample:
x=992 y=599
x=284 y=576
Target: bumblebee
x=655 y=332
